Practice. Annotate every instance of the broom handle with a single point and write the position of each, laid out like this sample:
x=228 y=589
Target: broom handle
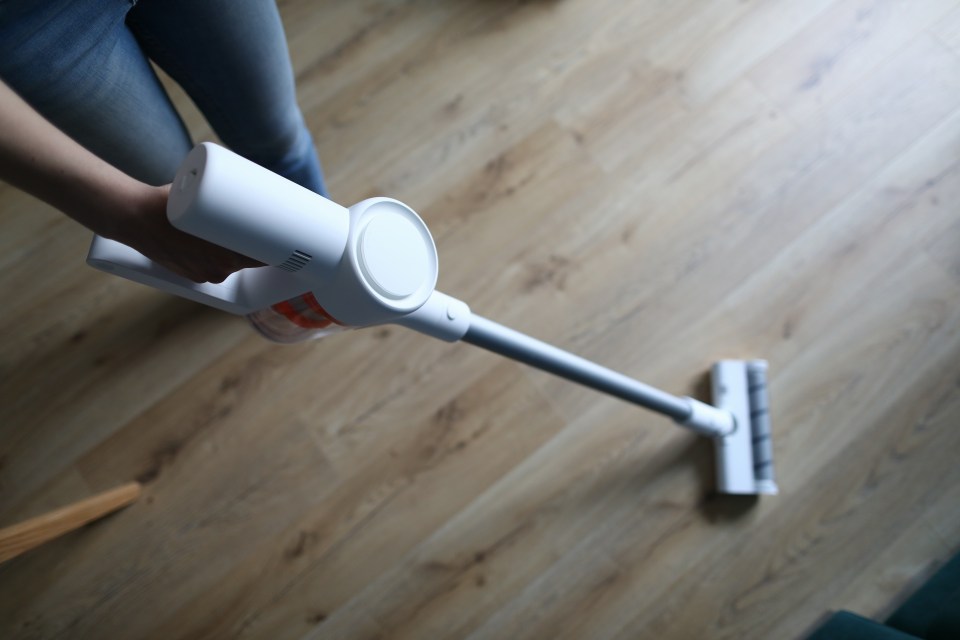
x=521 y=347
x=26 y=535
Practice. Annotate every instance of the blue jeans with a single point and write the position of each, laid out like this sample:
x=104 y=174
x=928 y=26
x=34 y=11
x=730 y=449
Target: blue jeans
x=85 y=66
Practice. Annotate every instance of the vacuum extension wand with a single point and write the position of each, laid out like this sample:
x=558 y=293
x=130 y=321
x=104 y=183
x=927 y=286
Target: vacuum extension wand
x=376 y=263
x=744 y=456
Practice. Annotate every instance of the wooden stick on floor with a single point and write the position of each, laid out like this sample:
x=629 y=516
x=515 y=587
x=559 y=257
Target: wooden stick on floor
x=28 y=534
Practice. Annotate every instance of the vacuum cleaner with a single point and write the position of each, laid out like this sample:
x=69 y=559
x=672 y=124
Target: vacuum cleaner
x=376 y=263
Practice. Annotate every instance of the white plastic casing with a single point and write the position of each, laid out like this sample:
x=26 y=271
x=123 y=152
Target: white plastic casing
x=389 y=267
x=707 y=420
x=734 y=452
x=224 y=198
x=440 y=317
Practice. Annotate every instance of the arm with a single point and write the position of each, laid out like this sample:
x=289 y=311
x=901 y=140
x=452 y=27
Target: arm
x=38 y=158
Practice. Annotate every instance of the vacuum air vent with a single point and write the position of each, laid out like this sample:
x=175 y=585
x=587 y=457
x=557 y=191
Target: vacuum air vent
x=296 y=261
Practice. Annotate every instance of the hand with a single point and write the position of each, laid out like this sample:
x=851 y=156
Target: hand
x=40 y=159
x=143 y=225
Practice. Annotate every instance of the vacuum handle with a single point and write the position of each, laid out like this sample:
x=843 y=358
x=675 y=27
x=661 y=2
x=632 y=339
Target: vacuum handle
x=243 y=292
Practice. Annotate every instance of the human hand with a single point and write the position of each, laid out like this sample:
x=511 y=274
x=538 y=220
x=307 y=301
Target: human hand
x=143 y=225
x=40 y=159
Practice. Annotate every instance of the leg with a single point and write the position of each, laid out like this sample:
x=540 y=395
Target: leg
x=231 y=57
x=79 y=66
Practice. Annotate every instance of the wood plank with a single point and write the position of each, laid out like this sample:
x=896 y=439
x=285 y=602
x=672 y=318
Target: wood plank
x=839 y=49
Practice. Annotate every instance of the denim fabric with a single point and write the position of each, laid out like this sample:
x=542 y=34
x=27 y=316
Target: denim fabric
x=85 y=66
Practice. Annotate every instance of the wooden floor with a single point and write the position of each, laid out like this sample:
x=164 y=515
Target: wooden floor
x=653 y=185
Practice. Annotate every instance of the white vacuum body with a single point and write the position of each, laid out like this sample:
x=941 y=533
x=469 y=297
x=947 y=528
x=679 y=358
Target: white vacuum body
x=376 y=263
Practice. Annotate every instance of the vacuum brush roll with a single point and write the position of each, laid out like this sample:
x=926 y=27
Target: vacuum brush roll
x=760 y=426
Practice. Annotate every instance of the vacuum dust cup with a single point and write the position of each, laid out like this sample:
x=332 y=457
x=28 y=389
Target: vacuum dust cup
x=299 y=319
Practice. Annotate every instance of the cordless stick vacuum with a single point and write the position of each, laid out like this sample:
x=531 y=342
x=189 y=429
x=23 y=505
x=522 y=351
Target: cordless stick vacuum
x=376 y=263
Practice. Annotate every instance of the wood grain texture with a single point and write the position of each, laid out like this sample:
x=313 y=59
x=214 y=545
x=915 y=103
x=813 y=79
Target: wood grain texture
x=652 y=185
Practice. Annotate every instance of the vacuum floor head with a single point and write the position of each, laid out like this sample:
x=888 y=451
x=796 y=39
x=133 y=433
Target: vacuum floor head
x=744 y=456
